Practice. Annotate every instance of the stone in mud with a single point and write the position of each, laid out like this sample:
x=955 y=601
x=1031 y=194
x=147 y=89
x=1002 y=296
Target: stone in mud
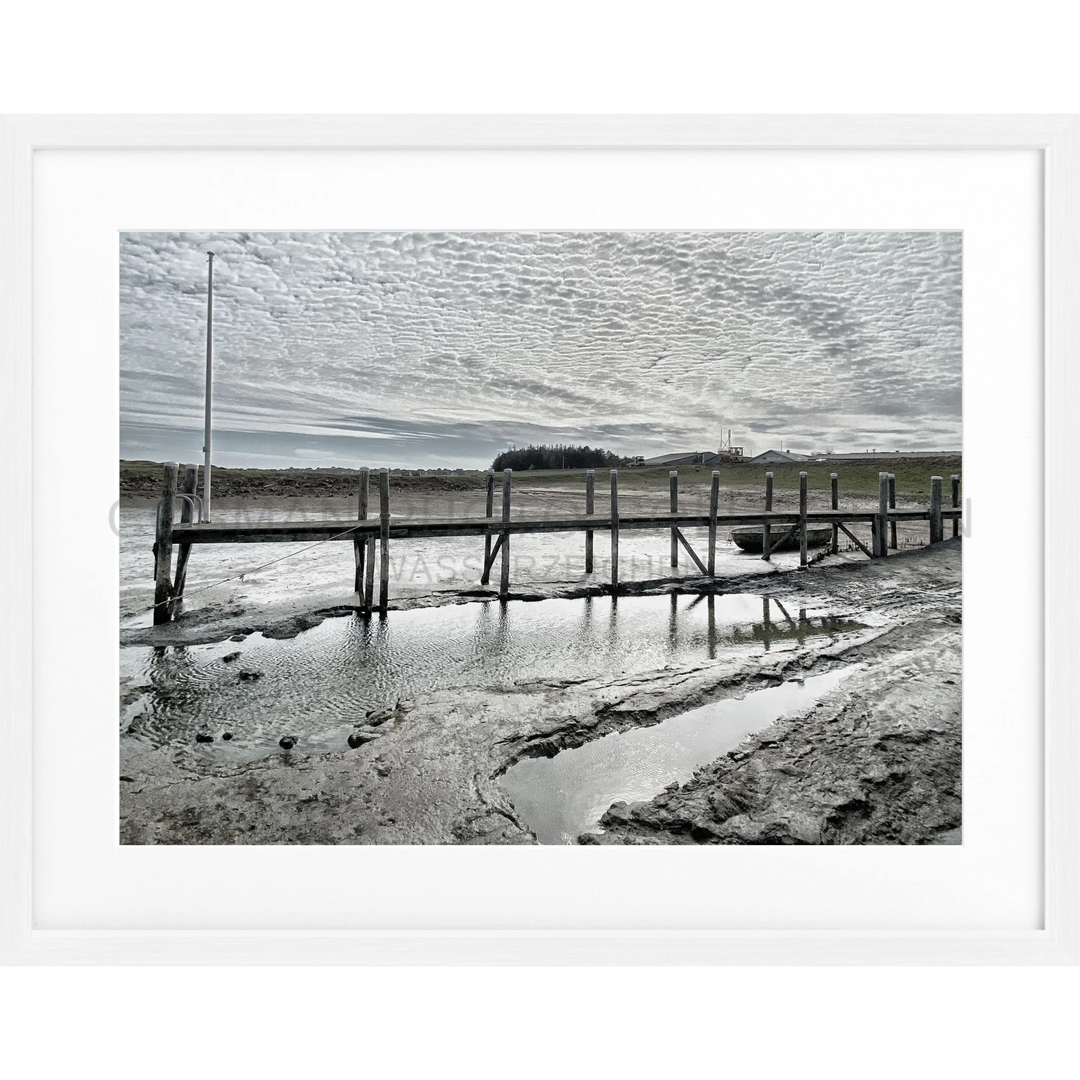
x=227 y=736
x=358 y=738
x=293 y=626
x=287 y=742
x=230 y=658
x=203 y=737
x=247 y=675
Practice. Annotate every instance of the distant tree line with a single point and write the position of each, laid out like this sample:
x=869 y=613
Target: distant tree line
x=558 y=457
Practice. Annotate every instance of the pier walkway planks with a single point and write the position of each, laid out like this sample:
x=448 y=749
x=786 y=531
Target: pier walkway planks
x=363 y=530
x=405 y=528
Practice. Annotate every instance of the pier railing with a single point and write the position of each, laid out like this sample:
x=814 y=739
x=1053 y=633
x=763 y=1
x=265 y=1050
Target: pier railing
x=779 y=527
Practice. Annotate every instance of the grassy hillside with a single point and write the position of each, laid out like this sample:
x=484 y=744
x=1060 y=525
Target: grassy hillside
x=143 y=478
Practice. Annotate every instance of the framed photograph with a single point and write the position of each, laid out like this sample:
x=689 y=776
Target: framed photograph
x=75 y=186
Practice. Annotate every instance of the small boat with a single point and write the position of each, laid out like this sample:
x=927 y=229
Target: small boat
x=751 y=539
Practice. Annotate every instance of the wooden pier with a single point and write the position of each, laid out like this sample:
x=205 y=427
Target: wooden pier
x=364 y=530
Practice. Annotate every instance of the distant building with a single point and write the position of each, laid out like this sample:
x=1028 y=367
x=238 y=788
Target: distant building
x=672 y=459
x=700 y=457
x=777 y=456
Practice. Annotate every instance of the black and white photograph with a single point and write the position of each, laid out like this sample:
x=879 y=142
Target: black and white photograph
x=540 y=538
x=539 y=432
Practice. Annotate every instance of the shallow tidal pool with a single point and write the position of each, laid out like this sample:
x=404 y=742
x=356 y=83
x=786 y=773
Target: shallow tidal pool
x=561 y=797
x=318 y=685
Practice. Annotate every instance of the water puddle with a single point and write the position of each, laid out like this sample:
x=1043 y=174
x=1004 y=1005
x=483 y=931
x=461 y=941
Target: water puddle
x=318 y=685
x=561 y=797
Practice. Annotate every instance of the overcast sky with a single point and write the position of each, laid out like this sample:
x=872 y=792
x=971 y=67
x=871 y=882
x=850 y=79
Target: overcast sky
x=440 y=349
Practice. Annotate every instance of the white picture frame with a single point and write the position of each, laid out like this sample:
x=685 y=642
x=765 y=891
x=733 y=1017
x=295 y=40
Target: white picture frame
x=1056 y=139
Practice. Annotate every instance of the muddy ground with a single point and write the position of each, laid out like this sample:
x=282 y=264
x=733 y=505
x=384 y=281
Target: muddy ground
x=876 y=761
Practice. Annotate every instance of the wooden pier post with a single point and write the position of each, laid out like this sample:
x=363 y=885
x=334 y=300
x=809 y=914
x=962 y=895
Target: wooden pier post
x=937 y=533
x=369 y=575
x=673 y=491
x=590 y=483
x=766 y=529
x=714 y=506
x=504 y=581
x=956 y=503
x=489 y=510
x=892 y=506
x=360 y=541
x=614 y=531
x=163 y=545
x=802 y=519
x=881 y=525
x=384 y=539
x=188 y=486
x=834 y=483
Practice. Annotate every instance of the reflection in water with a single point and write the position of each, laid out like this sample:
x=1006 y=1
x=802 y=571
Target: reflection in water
x=319 y=684
x=612 y=621
x=787 y=617
x=561 y=797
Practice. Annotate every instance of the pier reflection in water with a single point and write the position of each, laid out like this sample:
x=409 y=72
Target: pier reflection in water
x=774 y=625
x=320 y=683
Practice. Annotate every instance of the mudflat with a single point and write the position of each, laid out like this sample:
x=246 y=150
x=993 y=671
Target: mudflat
x=877 y=760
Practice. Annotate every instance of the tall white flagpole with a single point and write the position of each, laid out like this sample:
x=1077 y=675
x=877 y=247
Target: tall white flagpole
x=209 y=382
